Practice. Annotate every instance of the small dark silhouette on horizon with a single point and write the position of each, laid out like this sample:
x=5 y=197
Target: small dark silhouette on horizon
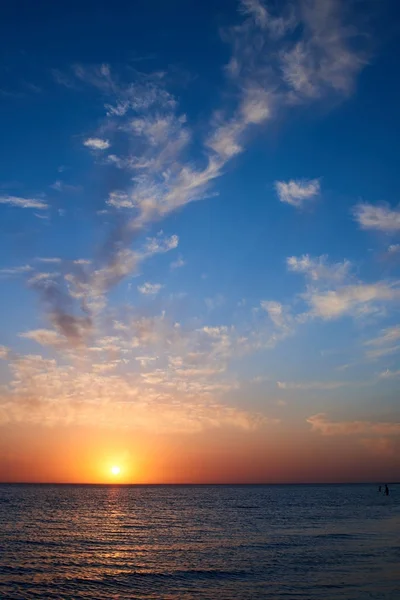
x=380 y=488
x=386 y=490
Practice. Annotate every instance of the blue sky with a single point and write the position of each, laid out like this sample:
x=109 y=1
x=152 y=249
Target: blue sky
x=199 y=207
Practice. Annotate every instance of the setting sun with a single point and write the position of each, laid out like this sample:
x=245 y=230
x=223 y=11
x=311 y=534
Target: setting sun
x=115 y=470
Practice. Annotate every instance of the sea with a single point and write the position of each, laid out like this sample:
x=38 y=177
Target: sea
x=187 y=542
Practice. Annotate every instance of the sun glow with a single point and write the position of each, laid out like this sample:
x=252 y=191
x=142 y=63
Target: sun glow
x=115 y=470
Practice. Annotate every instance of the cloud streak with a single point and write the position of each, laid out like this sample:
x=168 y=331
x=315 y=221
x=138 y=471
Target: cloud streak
x=23 y=202
x=321 y=424
x=385 y=344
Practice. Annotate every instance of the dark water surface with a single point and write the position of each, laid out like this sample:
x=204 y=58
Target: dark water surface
x=199 y=542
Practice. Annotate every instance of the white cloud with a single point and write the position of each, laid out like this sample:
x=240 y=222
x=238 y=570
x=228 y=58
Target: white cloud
x=159 y=166
x=227 y=139
x=41 y=277
x=164 y=181
x=328 y=57
x=256 y=105
x=120 y=200
x=158 y=130
x=150 y=289
x=96 y=143
x=322 y=59
x=394 y=248
x=44 y=337
x=278 y=314
x=181 y=398
x=318 y=268
x=160 y=244
x=333 y=292
x=352 y=300
x=23 y=202
x=158 y=135
x=381 y=218
x=297 y=192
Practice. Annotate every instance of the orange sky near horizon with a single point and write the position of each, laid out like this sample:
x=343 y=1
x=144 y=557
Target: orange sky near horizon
x=86 y=455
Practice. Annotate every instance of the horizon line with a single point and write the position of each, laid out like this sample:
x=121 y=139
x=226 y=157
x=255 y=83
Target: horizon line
x=121 y=484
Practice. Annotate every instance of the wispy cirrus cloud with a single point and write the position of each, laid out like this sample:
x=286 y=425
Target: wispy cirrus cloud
x=387 y=337
x=323 y=60
x=156 y=174
x=163 y=135
x=49 y=260
x=280 y=316
x=275 y=25
x=61 y=186
x=328 y=57
x=145 y=117
x=388 y=342
x=321 y=424
x=63 y=79
x=88 y=285
x=178 y=263
x=23 y=202
x=21 y=270
x=312 y=385
x=298 y=192
x=376 y=353
x=378 y=217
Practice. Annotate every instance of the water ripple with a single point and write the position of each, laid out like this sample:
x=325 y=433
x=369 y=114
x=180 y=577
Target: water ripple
x=198 y=542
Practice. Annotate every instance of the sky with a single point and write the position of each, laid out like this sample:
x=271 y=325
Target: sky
x=200 y=241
